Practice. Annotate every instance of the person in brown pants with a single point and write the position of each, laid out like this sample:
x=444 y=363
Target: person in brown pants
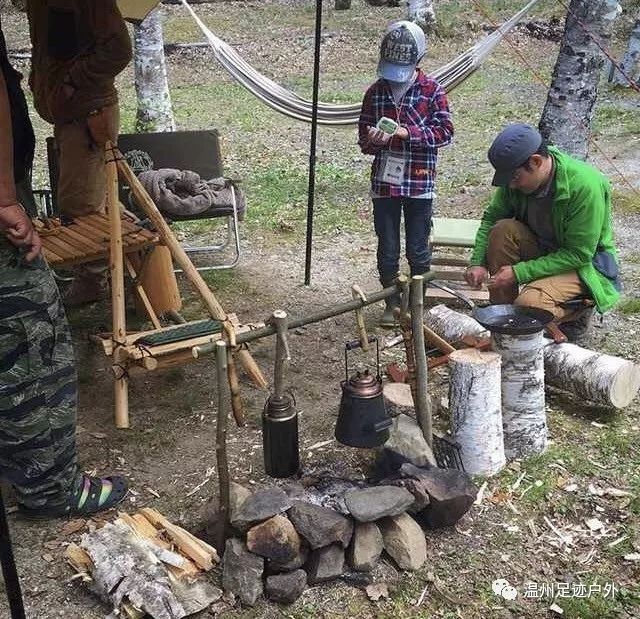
x=79 y=46
x=546 y=238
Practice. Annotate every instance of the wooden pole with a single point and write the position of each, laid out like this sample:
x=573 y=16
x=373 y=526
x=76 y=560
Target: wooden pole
x=282 y=352
x=251 y=368
x=234 y=388
x=323 y=314
x=116 y=268
x=423 y=403
x=357 y=293
x=221 y=445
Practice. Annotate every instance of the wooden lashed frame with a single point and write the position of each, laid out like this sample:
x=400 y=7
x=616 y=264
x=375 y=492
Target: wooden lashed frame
x=86 y=239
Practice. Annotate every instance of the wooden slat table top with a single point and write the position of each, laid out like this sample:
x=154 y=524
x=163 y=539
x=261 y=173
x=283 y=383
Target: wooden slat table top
x=87 y=239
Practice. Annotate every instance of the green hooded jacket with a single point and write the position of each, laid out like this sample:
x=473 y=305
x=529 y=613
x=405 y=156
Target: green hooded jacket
x=582 y=222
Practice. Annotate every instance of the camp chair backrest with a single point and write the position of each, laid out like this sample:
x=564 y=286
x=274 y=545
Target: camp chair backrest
x=198 y=151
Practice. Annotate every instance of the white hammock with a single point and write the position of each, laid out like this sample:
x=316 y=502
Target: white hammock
x=287 y=102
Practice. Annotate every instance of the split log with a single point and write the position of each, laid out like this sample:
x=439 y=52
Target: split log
x=524 y=418
x=597 y=377
x=476 y=412
x=452 y=325
x=124 y=570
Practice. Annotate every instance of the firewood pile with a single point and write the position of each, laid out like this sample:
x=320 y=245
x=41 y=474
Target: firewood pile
x=143 y=564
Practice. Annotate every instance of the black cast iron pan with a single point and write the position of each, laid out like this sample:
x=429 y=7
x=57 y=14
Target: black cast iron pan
x=513 y=319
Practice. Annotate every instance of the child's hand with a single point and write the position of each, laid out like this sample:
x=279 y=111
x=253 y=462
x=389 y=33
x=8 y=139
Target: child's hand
x=402 y=133
x=378 y=137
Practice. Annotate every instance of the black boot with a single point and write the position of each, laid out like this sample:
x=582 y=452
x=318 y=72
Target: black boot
x=388 y=319
x=578 y=329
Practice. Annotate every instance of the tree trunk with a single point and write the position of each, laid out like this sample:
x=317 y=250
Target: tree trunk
x=594 y=376
x=152 y=89
x=476 y=413
x=566 y=118
x=524 y=418
x=422 y=13
x=631 y=61
x=451 y=325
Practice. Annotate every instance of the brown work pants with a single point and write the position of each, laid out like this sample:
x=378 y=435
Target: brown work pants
x=510 y=242
x=81 y=164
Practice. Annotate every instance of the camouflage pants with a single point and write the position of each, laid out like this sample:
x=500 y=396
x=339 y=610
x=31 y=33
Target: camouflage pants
x=38 y=390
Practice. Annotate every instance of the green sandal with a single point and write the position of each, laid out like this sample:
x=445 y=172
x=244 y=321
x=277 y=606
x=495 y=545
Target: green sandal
x=92 y=495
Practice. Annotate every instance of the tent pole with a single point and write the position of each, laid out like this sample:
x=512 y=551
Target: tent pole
x=312 y=146
x=9 y=571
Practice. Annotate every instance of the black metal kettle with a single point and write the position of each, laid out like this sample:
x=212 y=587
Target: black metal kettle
x=362 y=419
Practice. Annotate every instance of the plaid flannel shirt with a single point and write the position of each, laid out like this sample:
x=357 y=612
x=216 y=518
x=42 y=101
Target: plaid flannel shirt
x=424 y=111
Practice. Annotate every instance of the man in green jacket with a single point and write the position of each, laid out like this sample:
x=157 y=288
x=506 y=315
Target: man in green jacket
x=546 y=237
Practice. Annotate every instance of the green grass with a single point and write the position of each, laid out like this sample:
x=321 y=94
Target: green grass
x=629 y=306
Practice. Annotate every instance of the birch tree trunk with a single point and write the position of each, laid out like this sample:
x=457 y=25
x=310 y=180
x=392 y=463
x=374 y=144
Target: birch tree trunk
x=152 y=89
x=422 y=13
x=451 y=325
x=476 y=413
x=566 y=118
x=594 y=376
x=631 y=62
x=524 y=418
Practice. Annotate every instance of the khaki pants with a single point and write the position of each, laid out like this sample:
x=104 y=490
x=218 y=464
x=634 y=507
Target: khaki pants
x=510 y=242
x=81 y=163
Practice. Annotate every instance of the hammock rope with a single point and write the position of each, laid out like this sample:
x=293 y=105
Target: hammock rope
x=286 y=102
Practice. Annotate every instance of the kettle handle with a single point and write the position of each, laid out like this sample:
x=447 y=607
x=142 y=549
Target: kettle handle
x=356 y=344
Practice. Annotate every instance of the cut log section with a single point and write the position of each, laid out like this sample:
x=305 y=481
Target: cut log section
x=476 y=412
x=524 y=418
x=597 y=377
x=398 y=399
x=451 y=325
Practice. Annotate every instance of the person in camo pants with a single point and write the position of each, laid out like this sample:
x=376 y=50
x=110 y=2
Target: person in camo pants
x=38 y=390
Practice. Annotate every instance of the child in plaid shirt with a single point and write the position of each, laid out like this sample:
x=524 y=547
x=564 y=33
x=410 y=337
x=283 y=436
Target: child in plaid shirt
x=404 y=165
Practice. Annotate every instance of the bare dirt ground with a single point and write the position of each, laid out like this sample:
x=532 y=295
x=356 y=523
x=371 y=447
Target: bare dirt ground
x=530 y=526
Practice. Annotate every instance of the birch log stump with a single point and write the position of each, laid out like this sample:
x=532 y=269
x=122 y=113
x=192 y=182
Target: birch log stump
x=476 y=412
x=594 y=376
x=451 y=325
x=524 y=419
x=599 y=378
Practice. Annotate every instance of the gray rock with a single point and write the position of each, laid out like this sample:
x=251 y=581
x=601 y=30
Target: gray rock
x=407 y=443
x=404 y=541
x=369 y=504
x=420 y=495
x=320 y=526
x=325 y=564
x=237 y=496
x=242 y=572
x=297 y=562
x=451 y=494
x=286 y=588
x=260 y=506
x=274 y=539
x=366 y=546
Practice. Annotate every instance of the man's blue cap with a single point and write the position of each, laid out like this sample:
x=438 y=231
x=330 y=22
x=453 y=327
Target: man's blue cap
x=512 y=149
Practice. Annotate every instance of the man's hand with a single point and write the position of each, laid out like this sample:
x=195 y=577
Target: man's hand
x=476 y=276
x=18 y=229
x=378 y=137
x=504 y=278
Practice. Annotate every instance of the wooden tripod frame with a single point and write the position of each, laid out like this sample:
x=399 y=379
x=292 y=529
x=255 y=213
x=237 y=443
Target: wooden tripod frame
x=120 y=348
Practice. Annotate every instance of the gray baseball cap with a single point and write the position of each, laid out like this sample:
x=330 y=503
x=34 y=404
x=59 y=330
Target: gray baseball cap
x=403 y=45
x=512 y=149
